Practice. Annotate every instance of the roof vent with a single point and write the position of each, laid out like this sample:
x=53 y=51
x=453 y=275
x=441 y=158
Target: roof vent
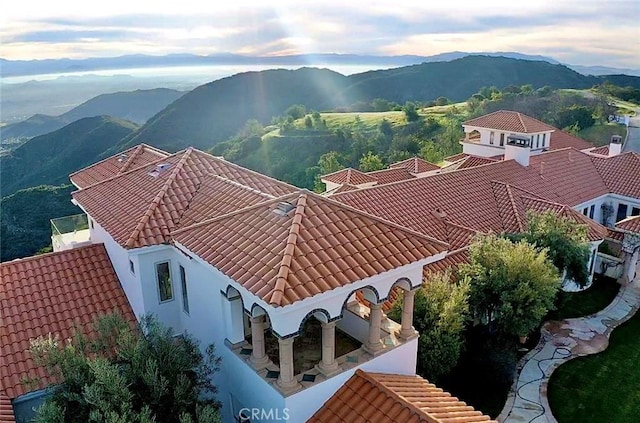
x=440 y=214
x=283 y=208
x=122 y=158
x=159 y=169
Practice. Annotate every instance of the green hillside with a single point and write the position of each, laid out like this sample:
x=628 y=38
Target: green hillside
x=216 y=111
x=135 y=106
x=24 y=219
x=50 y=158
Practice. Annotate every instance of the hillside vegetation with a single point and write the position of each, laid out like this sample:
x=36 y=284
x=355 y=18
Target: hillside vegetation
x=216 y=111
x=135 y=106
x=50 y=158
x=24 y=221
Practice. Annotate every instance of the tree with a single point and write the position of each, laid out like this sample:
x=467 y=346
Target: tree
x=565 y=241
x=308 y=123
x=370 y=162
x=297 y=111
x=410 y=111
x=126 y=375
x=512 y=285
x=440 y=310
x=442 y=101
x=569 y=116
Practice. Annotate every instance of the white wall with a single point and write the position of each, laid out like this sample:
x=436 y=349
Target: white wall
x=481 y=150
x=614 y=199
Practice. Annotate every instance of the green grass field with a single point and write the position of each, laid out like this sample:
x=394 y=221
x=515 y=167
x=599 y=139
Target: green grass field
x=589 y=301
x=604 y=387
x=601 y=134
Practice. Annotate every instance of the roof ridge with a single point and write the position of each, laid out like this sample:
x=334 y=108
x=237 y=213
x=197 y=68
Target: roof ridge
x=235 y=212
x=522 y=123
x=156 y=201
x=156 y=150
x=336 y=172
x=129 y=161
x=289 y=249
x=409 y=404
x=512 y=200
x=52 y=253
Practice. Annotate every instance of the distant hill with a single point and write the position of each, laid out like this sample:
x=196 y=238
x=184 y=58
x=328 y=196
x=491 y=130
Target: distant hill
x=213 y=112
x=24 y=221
x=50 y=158
x=135 y=106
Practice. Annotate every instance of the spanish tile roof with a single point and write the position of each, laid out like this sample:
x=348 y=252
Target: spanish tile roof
x=602 y=151
x=49 y=294
x=382 y=398
x=507 y=120
x=468 y=162
x=147 y=203
x=416 y=165
x=303 y=244
x=348 y=176
x=456 y=157
x=620 y=173
x=6 y=409
x=387 y=176
x=470 y=197
x=129 y=159
x=630 y=224
x=339 y=189
x=561 y=139
x=450 y=262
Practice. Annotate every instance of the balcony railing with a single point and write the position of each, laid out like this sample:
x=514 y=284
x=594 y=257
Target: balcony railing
x=70 y=232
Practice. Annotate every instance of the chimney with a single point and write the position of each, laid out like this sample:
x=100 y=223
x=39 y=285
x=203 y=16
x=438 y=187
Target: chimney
x=518 y=148
x=615 y=146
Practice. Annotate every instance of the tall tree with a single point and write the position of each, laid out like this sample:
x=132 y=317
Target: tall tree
x=128 y=375
x=370 y=162
x=512 y=285
x=440 y=310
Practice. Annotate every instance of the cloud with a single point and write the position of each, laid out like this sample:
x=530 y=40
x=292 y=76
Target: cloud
x=572 y=30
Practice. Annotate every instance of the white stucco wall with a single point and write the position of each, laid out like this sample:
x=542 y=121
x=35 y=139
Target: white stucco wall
x=614 y=199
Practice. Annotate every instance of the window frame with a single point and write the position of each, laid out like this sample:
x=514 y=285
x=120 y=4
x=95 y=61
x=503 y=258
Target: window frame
x=592 y=211
x=501 y=139
x=621 y=206
x=132 y=267
x=183 y=288
x=492 y=135
x=173 y=296
x=635 y=211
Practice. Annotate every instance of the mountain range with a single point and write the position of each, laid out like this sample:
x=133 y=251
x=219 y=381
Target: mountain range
x=10 y=68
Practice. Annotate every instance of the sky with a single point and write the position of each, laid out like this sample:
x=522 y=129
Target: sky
x=585 y=32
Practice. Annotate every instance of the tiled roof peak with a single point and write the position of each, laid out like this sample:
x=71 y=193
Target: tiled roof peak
x=509 y=120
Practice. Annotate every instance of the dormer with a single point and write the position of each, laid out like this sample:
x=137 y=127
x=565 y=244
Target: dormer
x=487 y=135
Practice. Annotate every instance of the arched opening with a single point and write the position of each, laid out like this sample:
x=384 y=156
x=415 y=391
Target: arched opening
x=237 y=322
x=473 y=136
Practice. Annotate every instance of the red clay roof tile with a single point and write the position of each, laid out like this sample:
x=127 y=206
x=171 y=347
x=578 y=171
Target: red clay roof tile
x=348 y=176
x=560 y=139
x=620 y=173
x=507 y=120
x=6 y=409
x=382 y=398
x=343 y=241
x=387 y=176
x=415 y=165
x=51 y=293
x=630 y=224
x=601 y=151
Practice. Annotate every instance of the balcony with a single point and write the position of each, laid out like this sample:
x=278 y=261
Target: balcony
x=70 y=232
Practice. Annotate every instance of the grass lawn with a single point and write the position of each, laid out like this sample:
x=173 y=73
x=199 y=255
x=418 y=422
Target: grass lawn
x=601 y=134
x=589 y=301
x=604 y=387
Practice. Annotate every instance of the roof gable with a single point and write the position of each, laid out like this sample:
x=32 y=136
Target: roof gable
x=51 y=293
x=382 y=398
x=620 y=173
x=387 y=176
x=348 y=176
x=561 y=139
x=416 y=165
x=317 y=245
x=507 y=120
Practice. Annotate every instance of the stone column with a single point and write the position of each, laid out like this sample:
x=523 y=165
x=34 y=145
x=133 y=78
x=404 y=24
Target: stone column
x=259 y=358
x=374 y=344
x=287 y=381
x=328 y=366
x=407 y=331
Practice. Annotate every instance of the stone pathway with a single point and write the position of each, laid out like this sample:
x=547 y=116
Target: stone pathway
x=560 y=342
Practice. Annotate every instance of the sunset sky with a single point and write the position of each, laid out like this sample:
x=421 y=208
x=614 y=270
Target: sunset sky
x=586 y=32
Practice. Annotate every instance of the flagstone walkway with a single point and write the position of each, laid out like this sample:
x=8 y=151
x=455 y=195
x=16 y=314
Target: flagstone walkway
x=560 y=342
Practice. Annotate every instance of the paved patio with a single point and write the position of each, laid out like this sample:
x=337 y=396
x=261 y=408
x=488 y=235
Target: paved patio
x=560 y=342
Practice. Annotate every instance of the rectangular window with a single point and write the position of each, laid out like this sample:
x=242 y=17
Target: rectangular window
x=544 y=139
x=502 y=139
x=622 y=212
x=592 y=210
x=585 y=211
x=538 y=141
x=131 y=267
x=185 y=296
x=491 y=135
x=91 y=223
x=165 y=287
x=635 y=211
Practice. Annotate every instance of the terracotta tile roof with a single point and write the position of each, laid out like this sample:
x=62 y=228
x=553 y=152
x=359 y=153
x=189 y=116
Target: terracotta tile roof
x=303 y=244
x=416 y=165
x=449 y=262
x=561 y=139
x=51 y=293
x=145 y=205
x=630 y=224
x=127 y=160
x=382 y=398
x=348 y=176
x=468 y=162
x=6 y=409
x=602 y=151
x=339 y=189
x=507 y=120
x=456 y=157
x=615 y=234
x=620 y=173
x=387 y=176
